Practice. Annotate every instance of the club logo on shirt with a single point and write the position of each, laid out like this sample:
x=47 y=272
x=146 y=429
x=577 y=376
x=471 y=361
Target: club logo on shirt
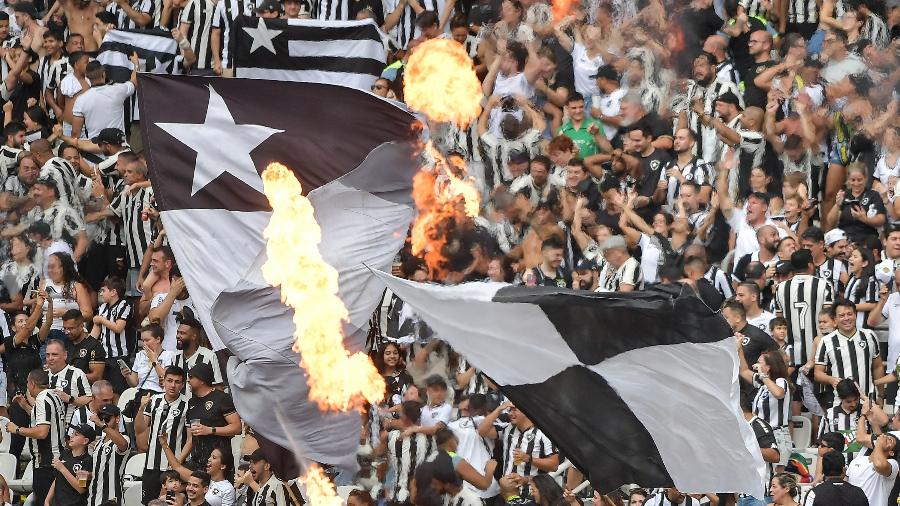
x=654 y=164
x=760 y=69
x=176 y=412
x=864 y=201
x=689 y=176
x=76 y=467
x=82 y=353
x=862 y=344
x=826 y=273
x=63 y=383
x=208 y=405
x=745 y=341
x=529 y=437
x=107 y=450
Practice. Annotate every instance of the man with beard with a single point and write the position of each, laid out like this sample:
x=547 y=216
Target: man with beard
x=646 y=162
x=687 y=167
x=634 y=115
x=15 y=194
x=827 y=267
x=84 y=352
x=191 y=353
x=767 y=238
x=14 y=135
x=760 y=47
x=707 y=87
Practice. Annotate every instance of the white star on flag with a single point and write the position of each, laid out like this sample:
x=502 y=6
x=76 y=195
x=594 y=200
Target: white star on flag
x=262 y=36
x=160 y=67
x=221 y=145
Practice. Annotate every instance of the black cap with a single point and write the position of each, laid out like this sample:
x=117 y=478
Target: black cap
x=585 y=264
x=109 y=136
x=443 y=469
x=269 y=6
x=26 y=8
x=519 y=156
x=203 y=372
x=39 y=227
x=86 y=431
x=784 y=267
x=730 y=98
x=258 y=455
x=606 y=71
x=109 y=411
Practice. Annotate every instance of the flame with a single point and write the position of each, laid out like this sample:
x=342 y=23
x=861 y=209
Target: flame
x=562 y=8
x=319 y=489
x=440 y=81
x=443 y=197
x=337 y=380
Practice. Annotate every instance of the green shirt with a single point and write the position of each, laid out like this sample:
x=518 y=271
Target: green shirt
x=581 y=137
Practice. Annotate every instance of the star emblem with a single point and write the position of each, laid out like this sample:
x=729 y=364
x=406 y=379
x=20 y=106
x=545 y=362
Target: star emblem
x=160 y=67
x=262 y=36
x=221 y=145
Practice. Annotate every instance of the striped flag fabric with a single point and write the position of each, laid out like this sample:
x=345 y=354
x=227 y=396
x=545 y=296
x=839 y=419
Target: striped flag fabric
x=633 y=388
x=156 y=49
x=353 y=154
x=349 y=53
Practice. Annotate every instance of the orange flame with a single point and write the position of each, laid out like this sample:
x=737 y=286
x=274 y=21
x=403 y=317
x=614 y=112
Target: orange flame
x=337 y=380
x=562 y=8
x=444 y=197
x=319 y=489
x=440 y=81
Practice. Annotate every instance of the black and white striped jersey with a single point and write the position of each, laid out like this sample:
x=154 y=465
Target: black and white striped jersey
x=66 y=179
x=877 y=31
x=612 y=278
x=48 y=410
x=725 y=71
x=476 y=384
x=850 y=357
x=696 y=170
x=114 y=344
x=720 y=281
x=660 y=499
x=861 y=291
x=803 y=11
x=72 y=381
x=708 y=144
x=773 y=410
x=9 y=160
x=405 y=454
x=109 y=468
x=531 y=441
x=225 y=17
x=765 y=438
x=401 y=33
x=495 y=152
x=335 y=10
x=838 y=420
x=201 y=356
x=65 y=223
x=123 y=22
x=198 y=14
x=832 y=269
x=801 y=299
x=165 y=417
x=138 y=232
x=271 y=493
x=754 y=8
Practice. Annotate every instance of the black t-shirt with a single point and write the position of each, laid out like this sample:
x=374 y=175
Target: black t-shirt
x=755 y=343
x=604 y=217
x=740 y=49
x=753 y=94
x=659 y=126
x=561 y=279
x=21 y=360
x=651 y=167
x=833 y=491
x=82 y=354
x=63 y=493
x=21 y=93
x=871 y=204
x=211 y=410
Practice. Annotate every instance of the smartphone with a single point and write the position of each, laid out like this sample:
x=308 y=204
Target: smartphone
x=122 y=364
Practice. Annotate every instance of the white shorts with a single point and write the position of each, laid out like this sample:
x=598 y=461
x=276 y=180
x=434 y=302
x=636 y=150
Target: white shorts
x=785 y=444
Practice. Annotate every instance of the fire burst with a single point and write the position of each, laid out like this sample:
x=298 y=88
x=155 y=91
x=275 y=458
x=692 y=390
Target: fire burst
x=440 y=81
x=562 y=8
x=319 y=489
x=337 y=380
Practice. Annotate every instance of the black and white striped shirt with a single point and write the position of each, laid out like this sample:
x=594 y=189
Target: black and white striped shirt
x=123 y=22
x=198 y=14
x=753 y=8
x=405 y=454
x=9 y=160
x=660 y=499
x=875 y=30
x=402 y=32
x=138 y=233
x=801 y=299
x=225 y=17
x=49 y=410
x=720 y=281
x=476 y=384
x=65 y=223
x=725 y=71
x=862 y=291
x=531 y=441
x=629 y=273
x=803 y=11
x=696 y=170
x=109 y=468
x=66 y=179
x=773 y=410
x=201 y=356
x=271 y=493
x=708 y=145
x=114 y=344
x=832 y=269
x=850 y=357
x=837 y=420
x=765 y=438
x=165 y=417
x=335 y=10
x=72 y=381
x=496 y=151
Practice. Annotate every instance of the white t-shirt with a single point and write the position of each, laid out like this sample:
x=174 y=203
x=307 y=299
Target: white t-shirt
x=862 y=473
x=762 y=321
x=170 y=342
x=891 y=312
x=148 y=379
x=70 y=85
x=103 y=107
x=610 y=105
x=431 y=415
x=584 y=67
x=475 y=449
x=220 y=493
x=650 y=254
x=746 y=235
x=516 y=84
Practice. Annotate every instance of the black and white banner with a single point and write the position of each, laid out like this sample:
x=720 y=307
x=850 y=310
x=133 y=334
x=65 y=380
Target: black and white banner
x=634 y=388
x=156 y=49
x=349 y=53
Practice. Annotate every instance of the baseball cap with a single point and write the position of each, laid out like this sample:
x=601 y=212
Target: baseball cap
x=26 y=8
x=109 y=410
x=86 y=431
x=585 y=264
x=258 y=455
x=204 y=372
x=269 y=6
x=519 y=156
x=730 y=98
x=606 y=72
x=834 y=235
x=109 y=136
x=784 y=267
x=614 y=241
x=39 y=227
x=884 y=271
x=443 y=469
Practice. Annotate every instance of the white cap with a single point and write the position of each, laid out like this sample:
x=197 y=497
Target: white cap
x=834 y=235
x=884 y=271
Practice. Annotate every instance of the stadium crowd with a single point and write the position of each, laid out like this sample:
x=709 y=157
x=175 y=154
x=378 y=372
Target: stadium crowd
x=748 y=151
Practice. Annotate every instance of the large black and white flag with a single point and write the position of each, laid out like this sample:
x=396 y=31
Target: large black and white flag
x=350 y=53
x=156 y=49
x=353 y=154
x=634 y=388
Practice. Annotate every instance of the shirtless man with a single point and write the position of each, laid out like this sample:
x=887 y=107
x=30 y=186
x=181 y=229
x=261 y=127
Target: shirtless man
x=32 y=32
x=81 y=15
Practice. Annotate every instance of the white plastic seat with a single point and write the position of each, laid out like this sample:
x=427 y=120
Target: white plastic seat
x=802 y=432
x=135 y=466
x=24 y=484
x=132 y=496
x=8 y=464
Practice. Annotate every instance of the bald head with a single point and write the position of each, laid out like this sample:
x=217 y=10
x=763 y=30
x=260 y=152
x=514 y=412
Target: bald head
x=41 y=147
x=715 y=44
x=753 y=118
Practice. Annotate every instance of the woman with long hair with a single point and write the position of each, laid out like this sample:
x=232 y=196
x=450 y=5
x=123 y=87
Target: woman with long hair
x=862 y=288
x=772 y=402
x=66 y=288
x=545 y=491
x=21 y=267
x=858 y=210
x=220 y=467
x=392 y=366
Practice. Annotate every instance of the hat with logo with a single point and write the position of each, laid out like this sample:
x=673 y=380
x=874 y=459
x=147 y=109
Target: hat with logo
x=109 y=411
x=884 y=271
x=730 y=98
x=834 y=235
x=269 y=6
x=109 y=136
x=85 y=430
